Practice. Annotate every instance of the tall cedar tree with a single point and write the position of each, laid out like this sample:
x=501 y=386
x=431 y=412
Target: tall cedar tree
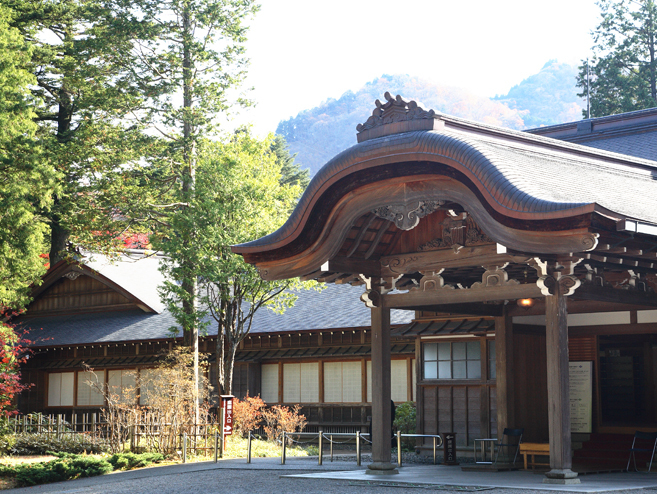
x=196 y=56
x=623 y=68
x=26 y=179
x=241 y=195
x=90 y=125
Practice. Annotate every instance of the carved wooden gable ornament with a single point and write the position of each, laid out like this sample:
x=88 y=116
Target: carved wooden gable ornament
x=458 y=231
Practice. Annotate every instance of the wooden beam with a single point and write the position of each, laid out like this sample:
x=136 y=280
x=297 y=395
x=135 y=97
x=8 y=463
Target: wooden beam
x=556 y=315
x=381 y=409
x=444 y=296
x=436 y=260
x=615 y=295
x=360 y=235
x=475 y=309
x=379 y=235
x=355 y=266
x=504 y=372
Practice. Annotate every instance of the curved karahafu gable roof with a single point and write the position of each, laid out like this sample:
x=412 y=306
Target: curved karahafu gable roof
x=530 y=192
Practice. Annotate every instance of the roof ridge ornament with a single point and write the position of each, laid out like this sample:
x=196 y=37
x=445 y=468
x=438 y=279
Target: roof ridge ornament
x=397 y=116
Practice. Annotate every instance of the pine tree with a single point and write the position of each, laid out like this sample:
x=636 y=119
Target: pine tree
x=26 y=180
x=623 y=71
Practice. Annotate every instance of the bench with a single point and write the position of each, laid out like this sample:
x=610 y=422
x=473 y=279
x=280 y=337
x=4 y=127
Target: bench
x=533 y=450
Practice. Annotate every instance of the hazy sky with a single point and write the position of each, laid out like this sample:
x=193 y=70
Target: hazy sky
x=305 y=51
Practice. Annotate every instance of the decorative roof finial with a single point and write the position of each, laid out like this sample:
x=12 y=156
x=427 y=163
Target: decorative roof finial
x=393 y=111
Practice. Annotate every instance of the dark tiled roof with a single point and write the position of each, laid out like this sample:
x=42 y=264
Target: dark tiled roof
x=518 y=174
x=337 y=306
x=631 y=133
x=447 y=327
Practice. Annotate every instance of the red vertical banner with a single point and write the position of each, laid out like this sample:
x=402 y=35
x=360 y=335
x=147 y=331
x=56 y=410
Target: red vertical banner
x=227 y=402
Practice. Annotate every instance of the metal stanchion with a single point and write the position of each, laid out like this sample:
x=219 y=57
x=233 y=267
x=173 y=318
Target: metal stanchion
x=399 y=451
x=358 y=448
x=184 y=448
x=221 y=424
x=248 y=449
x=216 y=447
x=434 y=449
x=331 y=439
x=321 y=447
x=283 y=449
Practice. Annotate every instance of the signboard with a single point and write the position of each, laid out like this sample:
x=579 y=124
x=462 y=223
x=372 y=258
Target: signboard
x=581 y=396
x=449 y=448
x=227 y=405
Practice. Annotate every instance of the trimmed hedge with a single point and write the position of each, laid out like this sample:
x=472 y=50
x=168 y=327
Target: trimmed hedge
x=40 y=444
x=69 y=466
x=128 y=461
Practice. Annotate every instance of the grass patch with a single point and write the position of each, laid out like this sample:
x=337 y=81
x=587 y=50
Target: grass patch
x=236 y=448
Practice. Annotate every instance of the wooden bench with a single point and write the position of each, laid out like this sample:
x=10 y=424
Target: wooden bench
x=533 y=450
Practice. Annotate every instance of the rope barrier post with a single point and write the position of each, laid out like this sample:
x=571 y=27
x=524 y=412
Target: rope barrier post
x=184 y=448
x=435 y=441
x=331 y=439
x=399 y=451
x=321 y=447
x=358 y=448
x=283 y=449
x=248 y=449
x=216 y=446
x=223 y=437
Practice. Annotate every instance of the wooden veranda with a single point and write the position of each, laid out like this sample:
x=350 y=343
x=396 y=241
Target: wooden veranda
x=434 y=213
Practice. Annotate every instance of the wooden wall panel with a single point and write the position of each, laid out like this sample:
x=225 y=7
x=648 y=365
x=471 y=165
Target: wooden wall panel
x=474 y=413
x=460 y=414
x=582 y=348
x=492 y=396
x=445 y=415
x=82 y=293
x=430 y=410
x=530 y=380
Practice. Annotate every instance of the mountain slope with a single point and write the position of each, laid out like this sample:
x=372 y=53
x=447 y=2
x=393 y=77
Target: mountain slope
x=546 y=98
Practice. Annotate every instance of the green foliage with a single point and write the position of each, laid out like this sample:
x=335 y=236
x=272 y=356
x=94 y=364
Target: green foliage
x=41 y=444
x=85 y=100
x=65 y=467
x=291 y=172
x=128 y=461
x=623 y=70
x=405 y=422
x=546 y=98
x=238 y=197
x=26 y=180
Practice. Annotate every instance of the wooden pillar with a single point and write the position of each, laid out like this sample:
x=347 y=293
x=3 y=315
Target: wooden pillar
x=381 y=409
x=504 y=388
x=556 y=328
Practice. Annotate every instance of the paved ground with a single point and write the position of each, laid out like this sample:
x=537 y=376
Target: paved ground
x=268 y=476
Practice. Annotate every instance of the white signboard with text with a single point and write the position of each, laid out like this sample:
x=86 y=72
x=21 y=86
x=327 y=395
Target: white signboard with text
x=581 y=396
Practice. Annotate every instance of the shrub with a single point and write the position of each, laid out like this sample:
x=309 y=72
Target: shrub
x=247 y=414
x=405 y=422
x=128 y=461
x=65 y=467
x=40 y=444
x=279 y=419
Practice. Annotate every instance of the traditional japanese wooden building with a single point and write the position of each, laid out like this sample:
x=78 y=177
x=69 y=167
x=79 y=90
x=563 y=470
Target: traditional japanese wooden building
x=109 y=316
x=554 y=242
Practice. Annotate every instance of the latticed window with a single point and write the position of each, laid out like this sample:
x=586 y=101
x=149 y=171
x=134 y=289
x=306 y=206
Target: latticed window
x=452 y=360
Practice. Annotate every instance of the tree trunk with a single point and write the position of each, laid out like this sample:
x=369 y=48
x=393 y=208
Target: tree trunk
x=58 y=236
x=188 y=185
